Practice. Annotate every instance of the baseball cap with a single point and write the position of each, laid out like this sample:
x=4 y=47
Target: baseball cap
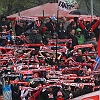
x=53 y=18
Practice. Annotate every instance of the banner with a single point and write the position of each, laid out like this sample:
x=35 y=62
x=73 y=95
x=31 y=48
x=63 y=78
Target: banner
x=66 y=5
x=90 y=96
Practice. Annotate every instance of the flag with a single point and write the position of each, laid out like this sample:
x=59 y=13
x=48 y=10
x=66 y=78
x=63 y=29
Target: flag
x=66 y=5
x=92 y=98
x=99 y=46
x=97 y=61
x=18 y=12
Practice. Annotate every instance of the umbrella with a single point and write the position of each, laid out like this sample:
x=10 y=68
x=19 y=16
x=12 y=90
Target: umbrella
x=79 y=12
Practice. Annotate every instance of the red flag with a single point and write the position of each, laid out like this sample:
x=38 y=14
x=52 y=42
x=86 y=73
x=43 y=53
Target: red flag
x=99 y=46
x=92 y=98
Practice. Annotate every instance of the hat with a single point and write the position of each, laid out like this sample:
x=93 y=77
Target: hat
x=78 y=30
x=53 y=18
x=44 y=29
x=3 y=16
x=59 y=93
x=47 y=18
x=55 y=33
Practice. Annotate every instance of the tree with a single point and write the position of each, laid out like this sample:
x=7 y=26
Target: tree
x=12 y=6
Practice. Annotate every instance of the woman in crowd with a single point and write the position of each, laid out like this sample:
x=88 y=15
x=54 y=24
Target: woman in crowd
x=61 y=31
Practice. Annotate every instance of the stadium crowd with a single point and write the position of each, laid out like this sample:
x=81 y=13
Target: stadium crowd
x=48 y=60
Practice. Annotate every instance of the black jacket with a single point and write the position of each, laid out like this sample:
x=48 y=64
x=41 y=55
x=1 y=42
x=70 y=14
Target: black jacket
x=87 y=35
x=34 y=38
x=46 y=95
x=51 y=27
x=97 y=33
x=61 y=33
x=82 y=91
x=19 y=30
x=79 y=59
x=3 y=23
x=66 y=94
x=15 y=92
x=74 y=40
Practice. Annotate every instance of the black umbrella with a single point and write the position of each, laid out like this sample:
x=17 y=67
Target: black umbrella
x=79 y=12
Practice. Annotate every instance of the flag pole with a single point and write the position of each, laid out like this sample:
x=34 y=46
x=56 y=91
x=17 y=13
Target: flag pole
x=57 y=36
x=18 y=12
x=43 y=16
x=92 y=8
x=91 y=2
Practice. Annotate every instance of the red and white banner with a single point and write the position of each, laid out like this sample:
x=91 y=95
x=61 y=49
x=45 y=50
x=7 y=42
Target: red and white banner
x=84 y=46
x=90 y=96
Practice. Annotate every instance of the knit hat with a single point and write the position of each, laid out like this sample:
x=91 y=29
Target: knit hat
x=78 y=30
x=47 y=19
x=3 y=16
x=55 y=34
x=59 y=93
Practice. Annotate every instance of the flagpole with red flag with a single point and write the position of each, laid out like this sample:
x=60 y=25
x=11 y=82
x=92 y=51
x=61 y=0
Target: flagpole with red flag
x=99 y=46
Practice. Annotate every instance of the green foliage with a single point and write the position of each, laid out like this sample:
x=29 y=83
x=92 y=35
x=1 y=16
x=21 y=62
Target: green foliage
x=12 y=6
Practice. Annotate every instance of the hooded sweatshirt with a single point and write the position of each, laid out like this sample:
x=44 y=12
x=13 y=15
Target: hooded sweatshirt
x=80 y=37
